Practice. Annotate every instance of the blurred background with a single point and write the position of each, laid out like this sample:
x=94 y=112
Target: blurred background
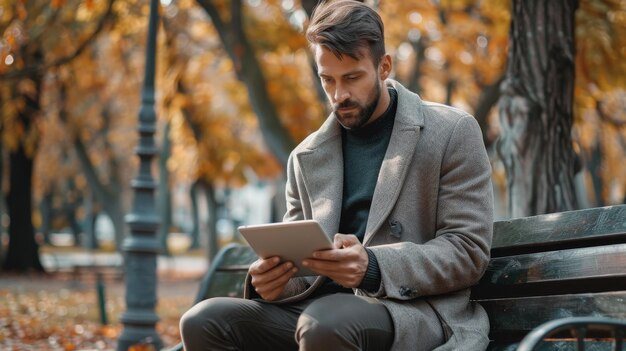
x=236 y=90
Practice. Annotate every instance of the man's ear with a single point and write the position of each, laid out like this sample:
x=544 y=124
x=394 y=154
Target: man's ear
x=384 y=67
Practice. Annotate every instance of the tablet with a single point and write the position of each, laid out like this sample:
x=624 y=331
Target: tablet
x=291 y=241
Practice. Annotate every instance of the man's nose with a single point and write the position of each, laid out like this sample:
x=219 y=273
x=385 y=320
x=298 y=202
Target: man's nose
x=341 y=94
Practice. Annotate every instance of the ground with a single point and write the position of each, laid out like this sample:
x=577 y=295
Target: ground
x=59 y=310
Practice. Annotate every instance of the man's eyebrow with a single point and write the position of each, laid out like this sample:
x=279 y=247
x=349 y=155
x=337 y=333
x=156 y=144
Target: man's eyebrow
x=351 y=73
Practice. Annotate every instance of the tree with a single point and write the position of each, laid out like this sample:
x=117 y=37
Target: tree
x=31 y=51
x=536 y=114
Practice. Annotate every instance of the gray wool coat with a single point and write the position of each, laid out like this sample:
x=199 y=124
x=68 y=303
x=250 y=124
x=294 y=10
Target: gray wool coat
x=430 y=222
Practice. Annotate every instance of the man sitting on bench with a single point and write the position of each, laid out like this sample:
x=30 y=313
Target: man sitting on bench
x=406 y=182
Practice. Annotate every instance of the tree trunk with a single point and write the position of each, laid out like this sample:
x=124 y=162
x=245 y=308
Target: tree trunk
x=489 y=97
x=117 y=215
x=77 y=230
x=536 y=108
x=2 y=208
x=279 y=205
x=108 y=196
x=46 y=213
x=70 y=204
x=450 y=85
x=594 y=167
x=309 y=6
x=195 y=216
x=419 y=47
x=213 y=246
x=89 y=223
x=23 y=252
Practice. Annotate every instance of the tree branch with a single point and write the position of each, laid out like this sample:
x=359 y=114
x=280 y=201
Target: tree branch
x=66 y=59
x=487 y=100
x=219 y=24
x=250 y=72
x=419 y=47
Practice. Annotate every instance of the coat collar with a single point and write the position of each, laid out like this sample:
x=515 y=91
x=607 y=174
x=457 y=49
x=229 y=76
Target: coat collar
x=322 y=169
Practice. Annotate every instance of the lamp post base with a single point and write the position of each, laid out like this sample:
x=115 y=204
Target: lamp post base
x=146 y=334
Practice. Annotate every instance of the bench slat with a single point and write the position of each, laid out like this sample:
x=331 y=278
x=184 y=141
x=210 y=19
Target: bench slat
x=515 y=317
x=237 y=256
x=592 y=269
x=594 y=226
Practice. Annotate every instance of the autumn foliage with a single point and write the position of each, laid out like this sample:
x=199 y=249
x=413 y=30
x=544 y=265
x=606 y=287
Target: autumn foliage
x=448 y=51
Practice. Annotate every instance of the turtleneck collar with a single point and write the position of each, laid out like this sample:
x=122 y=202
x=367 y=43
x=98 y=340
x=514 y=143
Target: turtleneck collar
x=385 y=121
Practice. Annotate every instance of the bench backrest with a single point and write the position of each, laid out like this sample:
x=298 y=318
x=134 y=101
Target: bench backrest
x=227 y=273
x=545 y=267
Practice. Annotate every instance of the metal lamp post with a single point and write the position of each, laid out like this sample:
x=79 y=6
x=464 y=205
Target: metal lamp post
x=141 y=247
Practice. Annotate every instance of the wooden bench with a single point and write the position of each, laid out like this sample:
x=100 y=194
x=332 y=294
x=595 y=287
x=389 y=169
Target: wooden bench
x=549 y=275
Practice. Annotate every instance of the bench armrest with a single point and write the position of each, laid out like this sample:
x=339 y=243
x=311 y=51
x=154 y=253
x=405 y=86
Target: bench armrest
x=578 y=326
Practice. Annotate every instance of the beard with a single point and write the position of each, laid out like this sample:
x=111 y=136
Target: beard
x=362 y=113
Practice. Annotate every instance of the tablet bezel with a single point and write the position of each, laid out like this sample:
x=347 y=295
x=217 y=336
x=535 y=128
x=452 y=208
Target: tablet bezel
x=291 y=241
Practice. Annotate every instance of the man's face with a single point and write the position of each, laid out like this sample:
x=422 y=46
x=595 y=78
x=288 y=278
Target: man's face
x=353 y=87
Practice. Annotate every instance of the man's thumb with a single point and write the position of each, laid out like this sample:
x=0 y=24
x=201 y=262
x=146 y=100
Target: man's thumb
x=344 y=240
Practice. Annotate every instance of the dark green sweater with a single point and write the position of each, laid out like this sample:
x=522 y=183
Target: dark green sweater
x=363 y=153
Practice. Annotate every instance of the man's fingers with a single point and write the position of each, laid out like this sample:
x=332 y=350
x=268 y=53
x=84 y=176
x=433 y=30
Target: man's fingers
x=275 y=284
x=346 y=265
x=267 y=283
x=261 y=265
x=270 y=275
x=271 y=289
x=347 y=279
x=345 y=240
x=328 y=266
x=347 y=253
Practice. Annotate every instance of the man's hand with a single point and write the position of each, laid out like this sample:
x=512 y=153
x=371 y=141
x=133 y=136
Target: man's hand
x=346 y=264
x=269 y=277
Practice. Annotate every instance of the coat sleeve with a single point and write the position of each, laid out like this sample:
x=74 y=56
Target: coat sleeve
x=297 y=285
x=458 y=254
x=292 y=193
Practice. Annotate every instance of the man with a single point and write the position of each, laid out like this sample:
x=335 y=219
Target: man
x=405 y=182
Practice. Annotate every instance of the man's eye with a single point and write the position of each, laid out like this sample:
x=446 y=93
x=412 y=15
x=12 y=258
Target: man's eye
x=326 y=80
x=353 y=77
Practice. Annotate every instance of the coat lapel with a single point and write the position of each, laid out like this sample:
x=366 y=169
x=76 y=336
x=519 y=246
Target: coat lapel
x=322 y=168
x=404 y=137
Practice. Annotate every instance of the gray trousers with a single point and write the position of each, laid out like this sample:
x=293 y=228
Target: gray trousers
x=330 y=323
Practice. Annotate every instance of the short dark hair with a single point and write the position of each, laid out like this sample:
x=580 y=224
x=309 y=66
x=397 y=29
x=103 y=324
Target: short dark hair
x=345 y=27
